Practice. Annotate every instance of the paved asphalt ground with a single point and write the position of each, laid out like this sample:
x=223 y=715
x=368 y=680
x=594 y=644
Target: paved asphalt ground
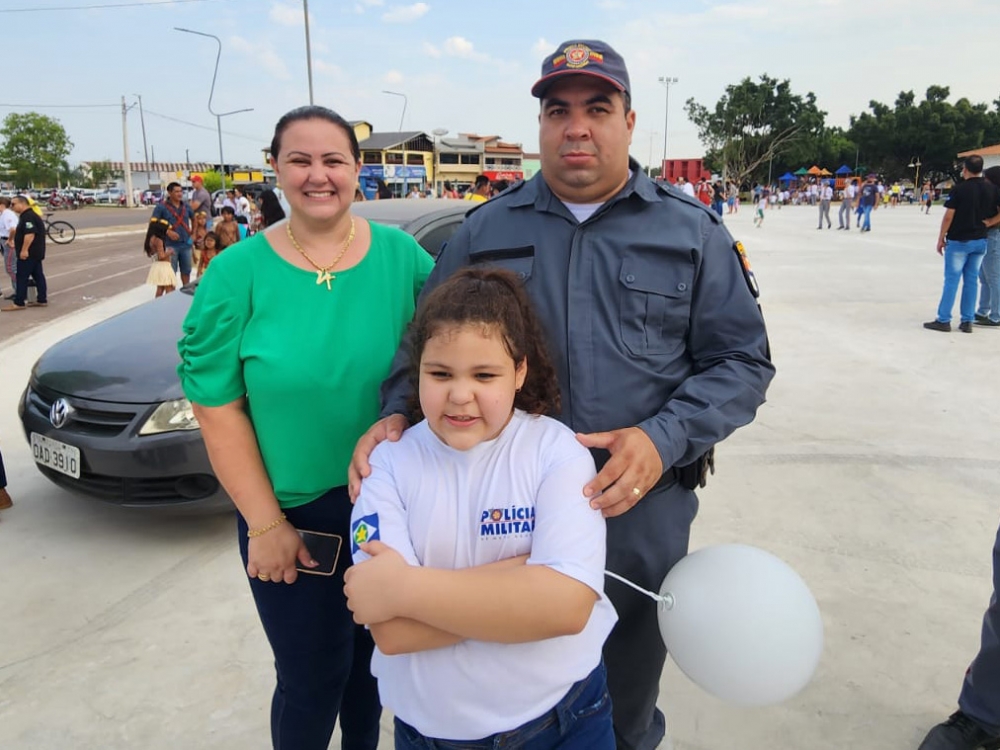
x=872 y=470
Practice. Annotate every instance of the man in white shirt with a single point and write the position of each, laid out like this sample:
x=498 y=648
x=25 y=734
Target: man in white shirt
x=686 y=186
x=8 y=223
x=847 y=206
x=825 y=196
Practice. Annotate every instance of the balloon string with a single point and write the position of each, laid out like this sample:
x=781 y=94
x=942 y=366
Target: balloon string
x=665 y=601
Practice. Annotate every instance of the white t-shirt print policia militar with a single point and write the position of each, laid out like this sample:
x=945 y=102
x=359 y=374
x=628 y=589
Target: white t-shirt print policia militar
x=520 y=493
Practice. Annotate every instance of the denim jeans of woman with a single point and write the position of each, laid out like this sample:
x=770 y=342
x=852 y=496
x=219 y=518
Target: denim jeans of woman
x=582 y=719
x=322 y=658
x=961 y=263
x=989 y=278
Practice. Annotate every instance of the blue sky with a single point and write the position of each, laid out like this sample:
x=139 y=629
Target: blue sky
x=466 y=66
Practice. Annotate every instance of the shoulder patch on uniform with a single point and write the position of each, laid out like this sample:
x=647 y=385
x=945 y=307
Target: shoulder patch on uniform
x=364 y=530
x=748 y=274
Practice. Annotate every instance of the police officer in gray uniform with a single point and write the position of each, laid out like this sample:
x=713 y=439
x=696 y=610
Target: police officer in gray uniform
x=976 y=724
x=654 y=330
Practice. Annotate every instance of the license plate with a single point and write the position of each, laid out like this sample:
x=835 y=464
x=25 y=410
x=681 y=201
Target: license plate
x=55 y=455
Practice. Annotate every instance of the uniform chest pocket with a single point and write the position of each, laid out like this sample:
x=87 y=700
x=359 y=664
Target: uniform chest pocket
x=655 y=306
x=519 y=260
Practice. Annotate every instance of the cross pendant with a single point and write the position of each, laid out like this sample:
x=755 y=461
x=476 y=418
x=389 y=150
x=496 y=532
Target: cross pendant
x=326 y=276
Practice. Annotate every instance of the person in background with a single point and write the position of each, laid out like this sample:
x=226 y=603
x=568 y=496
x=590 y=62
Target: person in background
x=29 y=244
x=988 y=313
x=449 y=191
x=272 y=319
x=847 y=205
x=199 y=228
x=414 y=192
x=177 y=213
x=8 y=225
x=499 y=186
x=227 y=230
x=161 y=275
x=201 y=200
x=962 y=243
x=271 y=211
x=382 y=191
x=211 y=250
x=480 y=192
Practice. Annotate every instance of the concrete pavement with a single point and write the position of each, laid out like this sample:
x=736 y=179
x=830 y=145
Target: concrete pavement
x=872 y=470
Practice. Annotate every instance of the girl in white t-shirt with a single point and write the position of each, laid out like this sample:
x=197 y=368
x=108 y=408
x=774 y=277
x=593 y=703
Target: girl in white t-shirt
x=479 y=565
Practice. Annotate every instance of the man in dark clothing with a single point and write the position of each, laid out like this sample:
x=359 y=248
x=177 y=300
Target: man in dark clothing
x=868 y=201
x=962 y=242
x=29 y=244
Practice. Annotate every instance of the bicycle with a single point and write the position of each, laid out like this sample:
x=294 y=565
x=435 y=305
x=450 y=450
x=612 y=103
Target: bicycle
x=60 y=232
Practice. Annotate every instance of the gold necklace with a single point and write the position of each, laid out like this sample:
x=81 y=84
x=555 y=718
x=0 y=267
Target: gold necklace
x=322 y=272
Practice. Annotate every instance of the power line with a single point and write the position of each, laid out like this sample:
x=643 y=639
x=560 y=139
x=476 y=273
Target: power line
x=50 y=106
x=254 y=138
x=105 y=5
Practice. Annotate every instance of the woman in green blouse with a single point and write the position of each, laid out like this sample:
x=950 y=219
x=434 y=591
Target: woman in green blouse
x=289 y=336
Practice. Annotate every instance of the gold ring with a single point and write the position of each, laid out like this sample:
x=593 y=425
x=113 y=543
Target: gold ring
x=264 y=577
x=637 y=492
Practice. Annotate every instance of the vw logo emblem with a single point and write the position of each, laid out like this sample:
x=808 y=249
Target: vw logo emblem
x=60 y=412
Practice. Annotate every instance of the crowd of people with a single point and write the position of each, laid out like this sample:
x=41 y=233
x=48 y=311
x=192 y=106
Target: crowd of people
x=184 y=236
x=503 y=434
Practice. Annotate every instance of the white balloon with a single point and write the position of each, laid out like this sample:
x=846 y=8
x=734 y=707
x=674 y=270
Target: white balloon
x=742 y=624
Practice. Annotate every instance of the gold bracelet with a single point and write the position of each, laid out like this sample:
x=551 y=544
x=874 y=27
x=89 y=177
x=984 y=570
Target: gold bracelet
x=252 y=533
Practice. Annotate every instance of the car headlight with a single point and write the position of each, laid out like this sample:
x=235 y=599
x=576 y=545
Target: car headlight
x=171 y=416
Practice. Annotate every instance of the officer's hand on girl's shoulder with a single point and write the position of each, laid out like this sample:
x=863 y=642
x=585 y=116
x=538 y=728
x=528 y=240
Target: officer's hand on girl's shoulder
x=634 y=467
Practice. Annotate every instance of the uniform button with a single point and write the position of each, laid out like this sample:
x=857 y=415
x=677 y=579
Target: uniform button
x=682 y=287
x=522 y=275
x=630 y=278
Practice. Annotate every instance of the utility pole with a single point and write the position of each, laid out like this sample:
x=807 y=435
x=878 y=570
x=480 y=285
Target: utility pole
x=309 y=63
x=145 y=151
x=128 y=164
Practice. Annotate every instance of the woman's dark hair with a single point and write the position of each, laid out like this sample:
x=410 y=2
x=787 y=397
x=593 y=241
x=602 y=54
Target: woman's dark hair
x=271 y=211
x=447 y=185
x=314 y=112
x=157 y=228
x=993 y=175
x=495 y=300
x=382 y=190
x=215 y=238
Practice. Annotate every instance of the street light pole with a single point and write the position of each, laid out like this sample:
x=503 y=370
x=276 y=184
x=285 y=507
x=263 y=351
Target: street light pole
x=437 y=133
x=211 y=93
x=649 y=163
x=127 y=165
x=916 y=179
x=309 y=63
x=145 y=151
x=396 y=93
x=666 y=81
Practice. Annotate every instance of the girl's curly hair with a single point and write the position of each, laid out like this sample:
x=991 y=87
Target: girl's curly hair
x=494 y=299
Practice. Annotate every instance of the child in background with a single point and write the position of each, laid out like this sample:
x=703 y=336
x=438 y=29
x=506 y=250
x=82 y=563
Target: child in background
x=199 y=229
x=209 y=250
x=479 y=565
x=227 y=231
x=161 y=275
x=760 y=201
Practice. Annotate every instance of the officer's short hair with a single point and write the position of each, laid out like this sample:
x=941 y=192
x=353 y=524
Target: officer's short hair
x=974 y=163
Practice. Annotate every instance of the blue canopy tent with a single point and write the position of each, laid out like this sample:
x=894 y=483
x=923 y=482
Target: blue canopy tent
x=787 y=177
x=844 y=170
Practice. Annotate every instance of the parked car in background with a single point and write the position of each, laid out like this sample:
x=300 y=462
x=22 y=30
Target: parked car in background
x=104 y=411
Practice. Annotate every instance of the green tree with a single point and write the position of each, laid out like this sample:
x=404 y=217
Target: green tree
x=754 y=124
x=100 y=173
x=34 y=147
x=213 y=181
x=933 y=131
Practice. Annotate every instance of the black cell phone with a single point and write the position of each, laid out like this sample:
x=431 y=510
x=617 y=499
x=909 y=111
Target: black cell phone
x=324 y=548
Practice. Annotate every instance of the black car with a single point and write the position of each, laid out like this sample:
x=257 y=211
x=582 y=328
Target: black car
x=104 y=411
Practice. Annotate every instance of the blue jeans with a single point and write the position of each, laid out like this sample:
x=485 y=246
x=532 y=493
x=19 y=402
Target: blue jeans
x=582 y=719
x=989 y=278
x=322 y=658
x=961 y=261
x=181 y=259
x=867 y=213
